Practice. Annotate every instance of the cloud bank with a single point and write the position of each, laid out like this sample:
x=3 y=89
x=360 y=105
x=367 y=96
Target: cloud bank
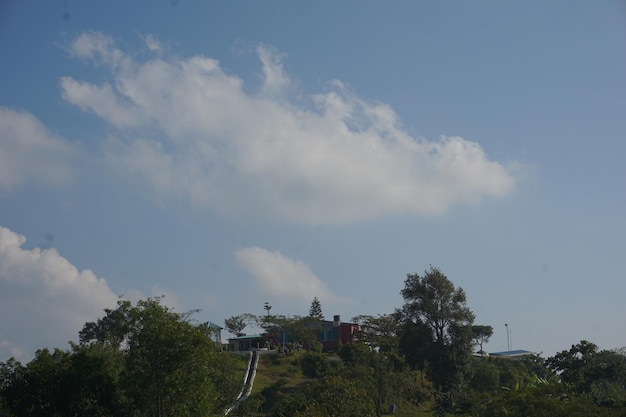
x=188 y=129
x=54 y=299
x=277 y=275
x=29 y=153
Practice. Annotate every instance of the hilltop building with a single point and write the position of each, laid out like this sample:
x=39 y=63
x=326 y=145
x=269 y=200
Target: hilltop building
x=330 y=334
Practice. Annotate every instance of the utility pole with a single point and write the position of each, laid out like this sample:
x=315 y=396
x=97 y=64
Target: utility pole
x=508 y=337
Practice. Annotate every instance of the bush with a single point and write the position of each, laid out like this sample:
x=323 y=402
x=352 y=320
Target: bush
x=314 y=365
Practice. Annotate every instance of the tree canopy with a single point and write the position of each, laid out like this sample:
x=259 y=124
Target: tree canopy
x=138 y=360
x=316 y=309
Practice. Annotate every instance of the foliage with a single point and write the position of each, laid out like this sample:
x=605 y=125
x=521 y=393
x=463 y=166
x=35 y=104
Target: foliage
x=316 y=309
x=481 y=335
x=539 y=401
x=141 y=360
x=236 y=324
x=314 y=365
x=433 y=303
x=571 y=365
x=432 y=299
x=598 y=375
x=147 y=360
x=354 y=353
x=380 y=332
x=293 y=330
x=416 y=340
x=329 y=397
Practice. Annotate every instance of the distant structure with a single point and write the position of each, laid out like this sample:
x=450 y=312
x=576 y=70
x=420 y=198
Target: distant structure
x=335 y=333
x=246 y=343
x=216 y=332
x=511 y=354
x=330 y=334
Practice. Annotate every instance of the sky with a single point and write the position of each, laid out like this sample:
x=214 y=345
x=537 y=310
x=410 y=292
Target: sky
x=228 y=154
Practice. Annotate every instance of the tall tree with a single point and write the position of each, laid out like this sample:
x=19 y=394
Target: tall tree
x=433 y=301
x=316 y=309
x=172 y=367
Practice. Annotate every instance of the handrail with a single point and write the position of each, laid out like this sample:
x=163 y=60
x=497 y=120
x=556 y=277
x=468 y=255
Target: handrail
x=253 y=361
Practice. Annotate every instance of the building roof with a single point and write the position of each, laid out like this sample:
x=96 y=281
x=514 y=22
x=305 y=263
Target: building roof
x=214 y=326
x=512 y=353
x=246 y=337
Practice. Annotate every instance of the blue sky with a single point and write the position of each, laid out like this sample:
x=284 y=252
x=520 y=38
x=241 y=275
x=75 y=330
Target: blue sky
x=225 y=154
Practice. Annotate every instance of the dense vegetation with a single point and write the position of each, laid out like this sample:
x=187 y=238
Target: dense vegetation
x=141 y=360
x=146 y=360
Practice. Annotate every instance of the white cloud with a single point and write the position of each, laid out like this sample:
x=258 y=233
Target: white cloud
x=189 y=129
x=152 y=43
x=28 y=152
x=44 y=298
x=277 y=275
x=100 y=48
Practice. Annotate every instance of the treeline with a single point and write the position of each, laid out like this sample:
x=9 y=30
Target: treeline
x=147 y=360
x=138 y=360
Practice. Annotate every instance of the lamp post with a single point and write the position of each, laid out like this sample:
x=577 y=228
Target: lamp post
x=508 y=337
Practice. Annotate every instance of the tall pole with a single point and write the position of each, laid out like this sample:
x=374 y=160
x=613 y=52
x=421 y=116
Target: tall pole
x=508 y=337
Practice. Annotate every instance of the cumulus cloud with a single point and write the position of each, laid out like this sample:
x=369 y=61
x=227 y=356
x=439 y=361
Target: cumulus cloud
x=152 y=43
x=54 y=299
x=189 y=129
x=28 y=152
x=278 y=275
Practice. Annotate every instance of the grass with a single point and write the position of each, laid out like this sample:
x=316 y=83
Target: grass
x=273 y=367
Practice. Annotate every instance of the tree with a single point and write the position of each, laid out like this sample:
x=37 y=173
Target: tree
x=570 y=364
x=171 y=366
x=432 y=301
x=316 y=309
x=415 y=344
x=600 y=375
x=481 y=335
x=112 y=329
x=138 y=360
x=236 y=324
x=379 y=332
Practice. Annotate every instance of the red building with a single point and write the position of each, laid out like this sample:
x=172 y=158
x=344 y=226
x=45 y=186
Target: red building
x=333 y=333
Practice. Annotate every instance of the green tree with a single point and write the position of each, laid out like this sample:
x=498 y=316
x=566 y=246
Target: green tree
x=599 y=375
x=354 y=354
x=172 y=367
x=316 y=309
x=112 y=329
x=314 y=364
x=169 y=363
x=236 y=324
x=138 y=360
x=481 y=335
x=92 y=381
x=415 y=343
x=379 y=332
x=432 y=300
